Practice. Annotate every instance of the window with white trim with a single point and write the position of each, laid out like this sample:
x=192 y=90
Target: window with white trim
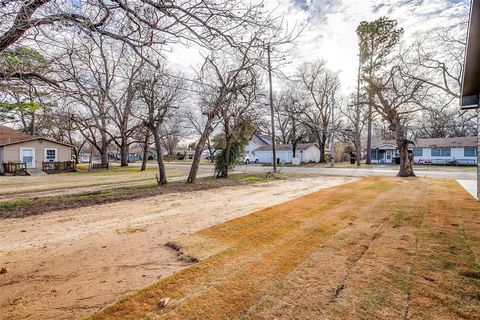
x=470 y=152
x=50 y=155
x=441 y=152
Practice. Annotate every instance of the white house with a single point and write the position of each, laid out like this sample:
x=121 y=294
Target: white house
x=256 y=142
x=306 y=152
x=458 y=150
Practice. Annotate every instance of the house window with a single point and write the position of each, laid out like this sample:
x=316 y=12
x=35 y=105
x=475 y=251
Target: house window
x=27 y=155
x=418 y=152
x=470 y=152
x=441 y=152
x=50 y=155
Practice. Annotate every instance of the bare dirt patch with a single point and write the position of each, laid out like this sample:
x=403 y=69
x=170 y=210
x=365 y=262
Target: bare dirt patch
x=68 y=264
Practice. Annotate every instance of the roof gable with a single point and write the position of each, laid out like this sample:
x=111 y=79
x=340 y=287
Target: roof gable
x=9 y=135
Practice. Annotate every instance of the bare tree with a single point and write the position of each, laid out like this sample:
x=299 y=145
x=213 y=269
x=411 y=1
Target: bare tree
x=227 y=80
x=320 y=85
x=238 y=120
x=398 y=98
x=355 y=118
x=138 y=24
x=161 y=95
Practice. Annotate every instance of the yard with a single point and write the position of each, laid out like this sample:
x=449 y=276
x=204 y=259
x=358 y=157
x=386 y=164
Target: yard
x=313 y=248
x=376 y=248
x=83 y=181
x=66 y=264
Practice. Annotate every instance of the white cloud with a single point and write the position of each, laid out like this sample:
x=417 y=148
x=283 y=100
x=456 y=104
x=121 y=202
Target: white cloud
x=331 y=31
x=332 y=36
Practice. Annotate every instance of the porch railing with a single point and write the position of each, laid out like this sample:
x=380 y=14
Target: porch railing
x=15 y=168
x=59 y=166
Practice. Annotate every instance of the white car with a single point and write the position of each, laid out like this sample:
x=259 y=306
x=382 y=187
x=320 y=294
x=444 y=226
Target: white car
x=248 y=158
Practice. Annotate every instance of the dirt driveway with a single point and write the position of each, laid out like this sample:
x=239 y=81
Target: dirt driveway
x=68 y=264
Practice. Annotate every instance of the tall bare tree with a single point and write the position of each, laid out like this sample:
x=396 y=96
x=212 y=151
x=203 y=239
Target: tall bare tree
x=161 y=96
x=397 y=98
x=376 y=39
x=320 y=85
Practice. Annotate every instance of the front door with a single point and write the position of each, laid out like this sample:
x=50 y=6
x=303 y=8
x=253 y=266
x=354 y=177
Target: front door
x=27 y=155
x=389 y=156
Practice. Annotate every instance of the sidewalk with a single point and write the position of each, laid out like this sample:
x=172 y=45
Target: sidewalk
x=470 y=186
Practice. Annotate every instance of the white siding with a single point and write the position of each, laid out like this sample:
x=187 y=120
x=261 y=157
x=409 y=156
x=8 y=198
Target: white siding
x=264 y=156
x=455 y=154
x=312 y=154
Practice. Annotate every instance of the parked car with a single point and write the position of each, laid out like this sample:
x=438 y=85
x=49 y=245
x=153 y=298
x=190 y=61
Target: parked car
x=248 y=158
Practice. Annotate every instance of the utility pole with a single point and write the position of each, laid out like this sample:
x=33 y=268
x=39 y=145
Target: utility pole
x=274 y=153
x=332 y=139
x=357 y=115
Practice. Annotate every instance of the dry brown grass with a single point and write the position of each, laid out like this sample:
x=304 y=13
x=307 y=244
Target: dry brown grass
x=378 y=248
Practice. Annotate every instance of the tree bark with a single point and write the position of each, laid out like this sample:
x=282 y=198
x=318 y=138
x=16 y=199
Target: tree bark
x=321 y=145
x=124 y=153
x=145 y=153
x=406 y=159
x=369 y=135
x=192 y=176
x=104 y=153
x=162 y=175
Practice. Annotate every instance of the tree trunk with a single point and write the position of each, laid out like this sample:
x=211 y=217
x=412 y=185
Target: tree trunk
x=145 y=152
x=322 y=140
x=321 y=145
x=192 y=176
x=223 y=172
x=124 y=153
x=162 y=175
x=369 y=134
x=104 y=153
x=406 y=159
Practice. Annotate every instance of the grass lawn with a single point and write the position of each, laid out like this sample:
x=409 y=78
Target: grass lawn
x=118 y=175
x=376 y=248
x=21 y=207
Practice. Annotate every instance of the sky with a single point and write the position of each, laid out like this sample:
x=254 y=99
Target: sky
x=330 y=34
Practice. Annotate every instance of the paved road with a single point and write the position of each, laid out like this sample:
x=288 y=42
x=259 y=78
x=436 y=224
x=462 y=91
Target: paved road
x=436 y=172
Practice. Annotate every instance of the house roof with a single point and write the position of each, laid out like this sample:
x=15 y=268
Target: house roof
x=9 y=136
x=434 y=142
x=264 y=138
x=287 y=147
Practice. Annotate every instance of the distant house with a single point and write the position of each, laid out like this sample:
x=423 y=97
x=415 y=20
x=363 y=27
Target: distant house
x=17 y=146
x=458 y=150
x=136 y=154
x=256 y=142
x=306 y=152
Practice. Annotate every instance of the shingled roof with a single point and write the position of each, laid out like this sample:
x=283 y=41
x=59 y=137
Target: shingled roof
x=455 y=142
x=11 y=136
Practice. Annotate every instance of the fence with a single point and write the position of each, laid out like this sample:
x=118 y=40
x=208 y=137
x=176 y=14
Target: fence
x=59 y=166
x=98 y=166
x=15 y=168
